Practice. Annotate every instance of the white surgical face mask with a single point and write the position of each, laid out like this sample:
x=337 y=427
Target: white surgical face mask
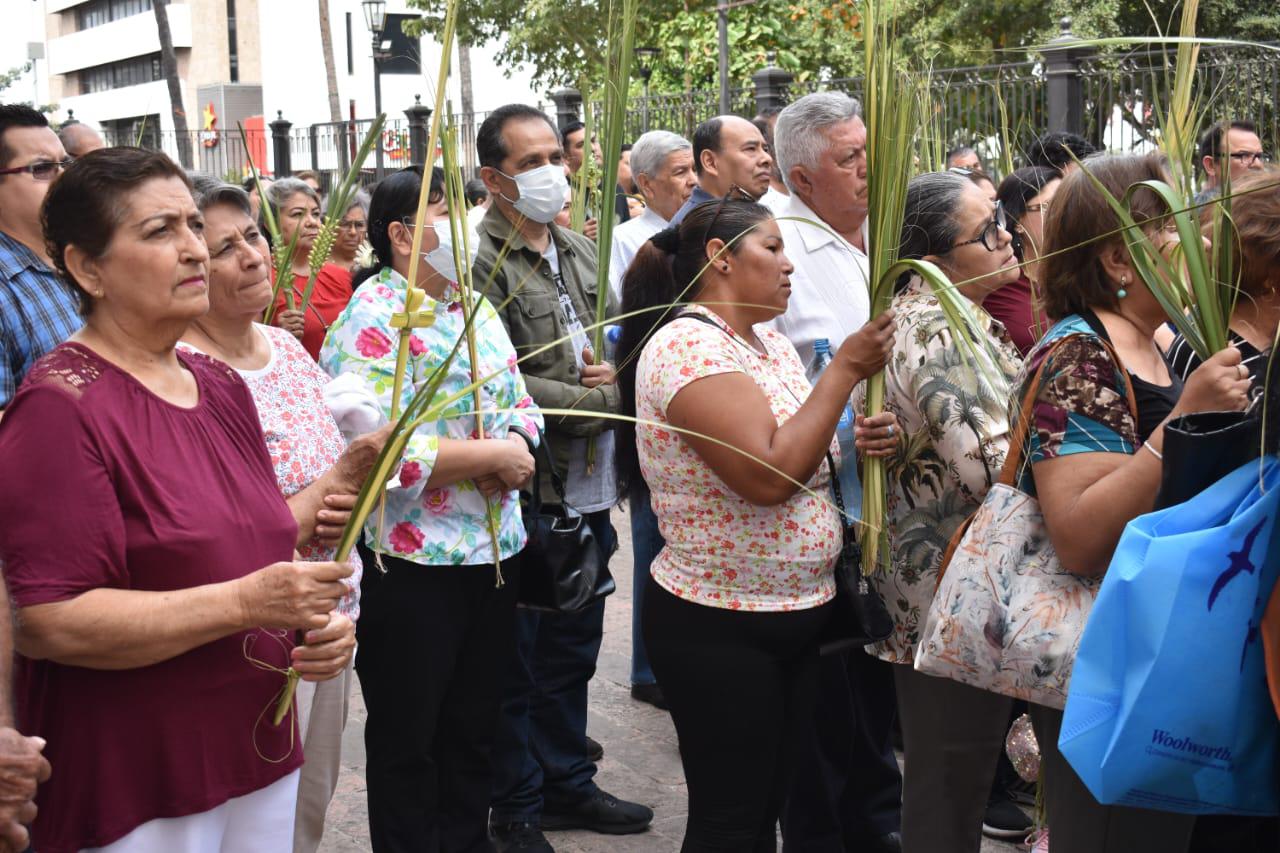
x=542 y=192
x=441 y=257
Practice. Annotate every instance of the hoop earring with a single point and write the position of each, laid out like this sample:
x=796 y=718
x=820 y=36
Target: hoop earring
x=1122 y=293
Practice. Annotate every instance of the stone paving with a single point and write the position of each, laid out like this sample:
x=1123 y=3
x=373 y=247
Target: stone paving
x=640 y=758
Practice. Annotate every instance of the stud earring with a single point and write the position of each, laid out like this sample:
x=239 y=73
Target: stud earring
x=1122 y=293
x=724 y=267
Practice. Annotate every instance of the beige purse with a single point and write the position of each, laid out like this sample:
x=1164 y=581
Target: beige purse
x=1007 y=617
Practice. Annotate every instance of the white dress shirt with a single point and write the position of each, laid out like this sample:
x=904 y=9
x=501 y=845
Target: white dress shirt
x=829 y=293
x=775 y=201
x=627 y=240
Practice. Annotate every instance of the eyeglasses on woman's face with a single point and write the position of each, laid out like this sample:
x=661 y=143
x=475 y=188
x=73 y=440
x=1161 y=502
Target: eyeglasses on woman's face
x=990 y=236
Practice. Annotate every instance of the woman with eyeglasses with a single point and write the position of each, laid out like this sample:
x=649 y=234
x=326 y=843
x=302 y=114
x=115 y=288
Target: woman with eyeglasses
x=437 y=620
x=728 y=430
x=953 y=415
x=1025 y=196
x=352 y=229
x=296 y=206
x=1093 y=466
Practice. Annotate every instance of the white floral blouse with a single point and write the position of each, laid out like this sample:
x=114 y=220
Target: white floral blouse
x=449 y=525
x=721 y=550
x=955 y=429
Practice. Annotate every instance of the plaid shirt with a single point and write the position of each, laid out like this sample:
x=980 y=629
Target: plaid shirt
x=37 y=312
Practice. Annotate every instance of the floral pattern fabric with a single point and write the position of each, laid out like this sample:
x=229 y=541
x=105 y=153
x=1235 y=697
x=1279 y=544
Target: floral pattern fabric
x=449 y=525
x=300 y=433
x=954 y=421
x=1081 y=405
x=721 y=550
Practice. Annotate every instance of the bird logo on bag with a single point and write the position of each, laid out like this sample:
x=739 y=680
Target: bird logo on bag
x=1240 y=562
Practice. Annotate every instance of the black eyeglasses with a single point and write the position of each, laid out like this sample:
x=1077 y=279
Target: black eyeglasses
x=1248 y=158
x=990 y=236
x=45 y=170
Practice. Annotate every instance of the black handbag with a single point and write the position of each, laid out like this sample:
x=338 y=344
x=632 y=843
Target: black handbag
x=860 y=616
x=563 y=569
x=1201 y=449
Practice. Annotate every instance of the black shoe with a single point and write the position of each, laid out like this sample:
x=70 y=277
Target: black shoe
x=1003 y=819
x=650 y=694
x=1022 y=792
x=891 y=843
x=601 y=812
x=594 y=750
x=519 y=837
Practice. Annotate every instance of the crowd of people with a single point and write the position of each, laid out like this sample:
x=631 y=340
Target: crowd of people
x=182 y=472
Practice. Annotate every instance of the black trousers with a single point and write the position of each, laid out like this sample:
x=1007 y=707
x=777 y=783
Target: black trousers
x=741 y=686
x=433 y=643
x=847 y=788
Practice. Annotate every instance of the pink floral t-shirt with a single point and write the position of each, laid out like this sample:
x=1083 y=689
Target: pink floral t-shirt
x=301 y=434
x=721 y=550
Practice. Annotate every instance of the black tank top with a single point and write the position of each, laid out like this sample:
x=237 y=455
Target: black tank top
x=1154 y=402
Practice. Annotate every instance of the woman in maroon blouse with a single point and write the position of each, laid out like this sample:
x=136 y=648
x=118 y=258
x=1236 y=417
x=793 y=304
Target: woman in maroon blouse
x=151 y=637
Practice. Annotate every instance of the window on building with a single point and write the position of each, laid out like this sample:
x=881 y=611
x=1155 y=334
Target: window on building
x=233 y=51
x=117 y=75
x=99 y=12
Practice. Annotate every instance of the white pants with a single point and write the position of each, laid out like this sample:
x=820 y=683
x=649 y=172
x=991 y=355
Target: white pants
x=258 y=822
x=322 y=715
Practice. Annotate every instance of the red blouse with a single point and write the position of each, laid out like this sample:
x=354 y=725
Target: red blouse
x=330 y=295
x=1014 y=306
x=111 y=486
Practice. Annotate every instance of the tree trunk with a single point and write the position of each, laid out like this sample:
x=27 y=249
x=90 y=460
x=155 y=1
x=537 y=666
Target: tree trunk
x=330 y=73
x=464 y=78
x=169 y=70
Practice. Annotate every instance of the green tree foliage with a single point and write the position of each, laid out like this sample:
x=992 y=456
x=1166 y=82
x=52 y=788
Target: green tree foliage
x=562 y=40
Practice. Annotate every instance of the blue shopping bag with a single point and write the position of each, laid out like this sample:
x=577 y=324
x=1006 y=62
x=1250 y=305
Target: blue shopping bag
x=1168 y=706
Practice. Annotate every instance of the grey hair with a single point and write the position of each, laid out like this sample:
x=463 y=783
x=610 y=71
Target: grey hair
x=799 y=137
x=929 y=224
x=208 y=191
x=359 y=199
x=286 y=188
x=652 y=150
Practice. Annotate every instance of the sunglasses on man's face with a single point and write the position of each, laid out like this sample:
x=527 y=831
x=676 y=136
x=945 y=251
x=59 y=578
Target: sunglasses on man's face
x=44 y=170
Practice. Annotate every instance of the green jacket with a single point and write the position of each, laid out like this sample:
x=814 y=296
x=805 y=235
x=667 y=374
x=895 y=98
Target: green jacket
x=533 y=319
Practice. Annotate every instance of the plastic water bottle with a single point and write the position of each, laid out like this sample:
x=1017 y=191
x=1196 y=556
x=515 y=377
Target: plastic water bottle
x=850 y=485
x=612 y=334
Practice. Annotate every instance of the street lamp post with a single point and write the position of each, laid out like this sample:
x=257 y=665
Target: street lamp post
x=375 y=15
x=645 y=56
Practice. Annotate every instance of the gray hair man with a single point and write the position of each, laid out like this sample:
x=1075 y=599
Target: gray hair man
x=662 y=168
x=820 y=144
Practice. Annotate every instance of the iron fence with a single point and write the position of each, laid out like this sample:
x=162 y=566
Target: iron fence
x=1122 y=92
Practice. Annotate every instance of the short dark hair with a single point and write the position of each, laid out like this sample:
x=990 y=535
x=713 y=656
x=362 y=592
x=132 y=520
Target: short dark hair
x=84 y=206
x=1213 y=138
x=571 y=127
x=491 y=148
x=1057 y=149
x=1074 y=234
x=1016 y=191
x=17 y=115
x=475 y=191
x=958 y=151
x=706 y=137
x=626 y=146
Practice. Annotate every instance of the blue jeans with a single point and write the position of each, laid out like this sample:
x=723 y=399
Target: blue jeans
x=646 y=542
x=539 y=749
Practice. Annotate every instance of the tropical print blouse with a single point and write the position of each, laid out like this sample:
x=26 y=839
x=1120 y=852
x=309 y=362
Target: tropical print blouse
x=954 y=421
x=445 y=526
x=1081 y=404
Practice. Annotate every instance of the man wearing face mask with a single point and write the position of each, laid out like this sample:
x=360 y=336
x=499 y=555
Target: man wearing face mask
x=543 y=773
x=729 y=156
